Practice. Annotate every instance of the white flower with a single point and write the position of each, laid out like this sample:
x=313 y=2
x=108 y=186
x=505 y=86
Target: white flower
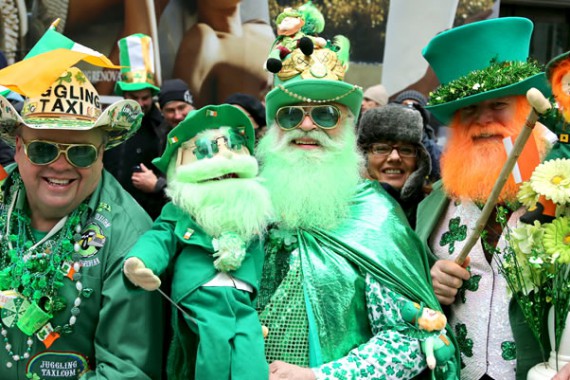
x=525 y=237
x=552 y=179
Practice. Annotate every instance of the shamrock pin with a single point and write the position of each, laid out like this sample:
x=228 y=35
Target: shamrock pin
x=471 y=285
x=457 y=232
x=465 y=344
x=80 y=78
x=66 y=78
x=509 y=350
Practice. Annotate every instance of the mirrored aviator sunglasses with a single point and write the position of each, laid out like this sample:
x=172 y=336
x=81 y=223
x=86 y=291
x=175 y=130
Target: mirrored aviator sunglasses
x=207 y=148
x=42 y=152
x=323 y=116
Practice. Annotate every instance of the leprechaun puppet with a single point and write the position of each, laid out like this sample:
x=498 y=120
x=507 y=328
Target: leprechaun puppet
x=210 y=233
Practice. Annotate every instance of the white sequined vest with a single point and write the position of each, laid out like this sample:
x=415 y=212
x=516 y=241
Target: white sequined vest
x=480 y=314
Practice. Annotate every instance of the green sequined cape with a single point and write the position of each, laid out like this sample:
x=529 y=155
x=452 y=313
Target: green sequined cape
x=375 y=238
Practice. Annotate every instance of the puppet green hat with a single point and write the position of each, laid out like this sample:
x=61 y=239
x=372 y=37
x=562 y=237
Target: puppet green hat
x=136 y=54
x=208 y=117
x=317 y=78
x=72 y=104
x=480 y=61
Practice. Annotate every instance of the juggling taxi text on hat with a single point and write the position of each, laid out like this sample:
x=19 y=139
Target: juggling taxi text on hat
x=72 y=103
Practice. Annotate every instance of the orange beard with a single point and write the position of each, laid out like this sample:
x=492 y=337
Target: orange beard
x=470 y=168
x=562 y=98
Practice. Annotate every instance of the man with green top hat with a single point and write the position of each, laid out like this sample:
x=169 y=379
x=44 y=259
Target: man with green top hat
x=131 y=163
x=211 y=232
x=485 y=73
x=341 y=261
x=65 y=226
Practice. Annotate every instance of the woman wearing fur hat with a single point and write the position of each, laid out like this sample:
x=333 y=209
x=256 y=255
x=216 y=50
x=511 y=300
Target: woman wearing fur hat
x=391 y=139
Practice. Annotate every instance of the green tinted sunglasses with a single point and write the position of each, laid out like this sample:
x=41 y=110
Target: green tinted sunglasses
x=323 y=116
x=42 y=152
x=207 y=148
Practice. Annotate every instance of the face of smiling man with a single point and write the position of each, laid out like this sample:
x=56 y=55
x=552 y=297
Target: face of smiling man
x=476 y=138
x=56 y=189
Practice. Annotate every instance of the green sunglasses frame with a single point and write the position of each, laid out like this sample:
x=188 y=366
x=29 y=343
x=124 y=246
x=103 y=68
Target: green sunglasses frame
x=308 y=113
x=61 y=151
x=229 y=141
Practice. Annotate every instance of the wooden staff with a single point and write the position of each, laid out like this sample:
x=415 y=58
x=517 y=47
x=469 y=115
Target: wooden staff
x=539 y=105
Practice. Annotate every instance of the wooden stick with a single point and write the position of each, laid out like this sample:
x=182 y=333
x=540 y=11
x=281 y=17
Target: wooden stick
x=506 y=171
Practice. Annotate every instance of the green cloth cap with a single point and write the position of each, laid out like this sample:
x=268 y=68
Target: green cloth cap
x=458 y=52
x=208 y=117
x=136 y=54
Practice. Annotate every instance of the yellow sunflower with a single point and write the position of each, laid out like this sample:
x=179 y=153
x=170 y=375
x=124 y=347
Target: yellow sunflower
x=552 y=179
x=556 y=239
x=527 y=196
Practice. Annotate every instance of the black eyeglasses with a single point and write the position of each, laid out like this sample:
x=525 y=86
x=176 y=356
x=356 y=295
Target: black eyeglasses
x=386 y=149
x=324 y=116
x=41 y=152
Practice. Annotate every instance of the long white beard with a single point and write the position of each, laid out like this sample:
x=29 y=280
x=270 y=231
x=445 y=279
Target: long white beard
x=310 y=188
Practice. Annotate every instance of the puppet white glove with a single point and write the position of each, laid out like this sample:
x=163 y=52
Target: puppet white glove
x=230 y=252
x=140 y=275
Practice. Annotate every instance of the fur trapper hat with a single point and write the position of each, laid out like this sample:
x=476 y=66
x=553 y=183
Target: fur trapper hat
x=397 y=123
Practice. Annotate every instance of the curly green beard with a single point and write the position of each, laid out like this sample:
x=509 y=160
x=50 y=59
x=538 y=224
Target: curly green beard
x=240 y=205
x=310 y=188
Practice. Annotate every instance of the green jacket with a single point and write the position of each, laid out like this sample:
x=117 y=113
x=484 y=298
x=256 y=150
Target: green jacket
x=175 y=236
x=118 y=333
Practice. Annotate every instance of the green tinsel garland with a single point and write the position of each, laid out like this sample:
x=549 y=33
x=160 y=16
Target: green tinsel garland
x=496 y=75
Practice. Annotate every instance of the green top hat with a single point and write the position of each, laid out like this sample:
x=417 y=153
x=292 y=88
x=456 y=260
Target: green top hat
x=136 y=54
x=72 y=103
x=208 y=117
x=554 y=62
x=480 y=61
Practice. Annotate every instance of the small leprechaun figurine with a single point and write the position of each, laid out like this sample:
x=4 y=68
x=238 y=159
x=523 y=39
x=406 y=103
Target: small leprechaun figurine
x=437 y=348
x=210 y=233
x=296 y=29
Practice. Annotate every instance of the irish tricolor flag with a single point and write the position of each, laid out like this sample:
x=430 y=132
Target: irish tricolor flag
x=527 y=161
x=51 y=55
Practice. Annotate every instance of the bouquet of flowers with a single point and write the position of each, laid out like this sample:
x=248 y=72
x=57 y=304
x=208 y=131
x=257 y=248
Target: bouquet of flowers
x=536 y=262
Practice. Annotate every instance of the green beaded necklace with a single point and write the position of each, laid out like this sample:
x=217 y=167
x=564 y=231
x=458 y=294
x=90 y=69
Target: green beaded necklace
x=36 y=271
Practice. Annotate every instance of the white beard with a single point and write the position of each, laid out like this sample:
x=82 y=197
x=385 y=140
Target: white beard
x=310 y=188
